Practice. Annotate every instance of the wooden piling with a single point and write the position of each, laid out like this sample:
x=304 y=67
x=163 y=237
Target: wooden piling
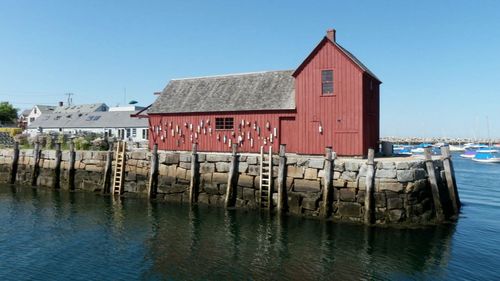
x=281 y=206
x=328 y=182
x=232 y=178
x=194 y=179
x=369 y=190
x=15 y=162
x=57 y=167
x=450 y=179
x=71 y=166
x=434 y=185
x=106 y=182
x=153 y=175
x=36 y=164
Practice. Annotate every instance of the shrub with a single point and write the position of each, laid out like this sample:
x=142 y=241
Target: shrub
x=12 y=131
x=81 y=143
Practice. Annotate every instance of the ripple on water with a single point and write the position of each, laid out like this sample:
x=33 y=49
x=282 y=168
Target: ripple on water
x=53 y=236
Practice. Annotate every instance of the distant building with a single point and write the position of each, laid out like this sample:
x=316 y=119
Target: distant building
x=39 y=110
x=22 y=120
x=126 y=108
x=114 y=123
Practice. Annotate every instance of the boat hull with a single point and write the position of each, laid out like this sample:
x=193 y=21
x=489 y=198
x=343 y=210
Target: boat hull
x=492 y=160
x=467 y=155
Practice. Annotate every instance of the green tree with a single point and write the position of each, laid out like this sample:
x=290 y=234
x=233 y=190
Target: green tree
x=7 y=112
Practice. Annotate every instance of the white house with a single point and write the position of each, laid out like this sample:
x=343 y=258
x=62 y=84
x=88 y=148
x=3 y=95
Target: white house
x=39 y=110
x=114 y=123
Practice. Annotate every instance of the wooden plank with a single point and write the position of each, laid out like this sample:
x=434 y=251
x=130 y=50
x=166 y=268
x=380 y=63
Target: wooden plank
x=71 y=168
x=36 y=164
x=434 y=185
x=57 y=168
x=194 y=179
x=120 y=165
x=153 y=175
x=106 y=182
x=270 y=187
x=231 y=178
x=15 y=162
x=450 y=180
x=328 y=182
x=261 y=174
x=369 y=190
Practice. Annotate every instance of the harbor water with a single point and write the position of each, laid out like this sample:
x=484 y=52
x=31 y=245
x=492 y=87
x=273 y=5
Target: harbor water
x=50 y=235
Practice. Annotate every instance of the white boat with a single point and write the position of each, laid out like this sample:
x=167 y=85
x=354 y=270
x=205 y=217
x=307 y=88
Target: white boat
x=456 y=148
x=468 y=153
x=418 y=150
x=475 y=146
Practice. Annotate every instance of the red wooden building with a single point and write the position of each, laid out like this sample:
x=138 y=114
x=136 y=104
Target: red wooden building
x=331 y=99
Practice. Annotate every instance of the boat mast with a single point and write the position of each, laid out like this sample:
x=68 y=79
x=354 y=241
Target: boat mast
x=488 y=129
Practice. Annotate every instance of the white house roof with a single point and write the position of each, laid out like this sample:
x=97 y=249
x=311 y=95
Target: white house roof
x=98 y=119
x=81 y=108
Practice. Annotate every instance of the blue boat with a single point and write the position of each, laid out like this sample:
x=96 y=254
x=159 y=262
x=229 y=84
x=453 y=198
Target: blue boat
x=403 y=150
x=487 y=156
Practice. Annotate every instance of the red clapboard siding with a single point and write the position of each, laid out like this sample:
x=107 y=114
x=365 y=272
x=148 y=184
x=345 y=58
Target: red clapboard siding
x=209 y=142
x=340 y=115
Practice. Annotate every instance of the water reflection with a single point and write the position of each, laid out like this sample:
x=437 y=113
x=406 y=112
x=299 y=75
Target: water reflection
x=96 y=237
x=211 y=243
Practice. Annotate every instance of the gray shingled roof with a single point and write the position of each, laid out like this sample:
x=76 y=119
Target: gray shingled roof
x=271 y=90
x=98 y=119
x=81 y=108
x=45 y=108
x=26 y=112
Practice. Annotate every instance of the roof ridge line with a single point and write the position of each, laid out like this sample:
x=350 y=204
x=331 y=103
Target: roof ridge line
x=230 y=74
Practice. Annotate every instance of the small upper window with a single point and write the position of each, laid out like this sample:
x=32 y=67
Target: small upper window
x=224 y=123
x=327 y=82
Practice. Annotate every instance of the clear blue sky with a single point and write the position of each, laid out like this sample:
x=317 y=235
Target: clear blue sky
x=439 y=60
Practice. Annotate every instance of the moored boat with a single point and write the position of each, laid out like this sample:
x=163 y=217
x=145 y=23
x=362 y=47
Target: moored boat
x=456 y=148
x=402 y=150
x=468 y=153
x=487 y=156
x=419 y=149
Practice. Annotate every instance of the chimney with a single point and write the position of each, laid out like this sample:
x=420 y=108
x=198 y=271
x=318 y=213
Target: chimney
x=330 y=34
x=61 y=104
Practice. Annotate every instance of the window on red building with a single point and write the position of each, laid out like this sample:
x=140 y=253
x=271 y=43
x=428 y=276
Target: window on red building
x=224 y=123
x=327 y=82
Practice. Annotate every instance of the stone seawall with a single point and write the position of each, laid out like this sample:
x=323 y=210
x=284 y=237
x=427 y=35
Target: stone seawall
x=402 y=191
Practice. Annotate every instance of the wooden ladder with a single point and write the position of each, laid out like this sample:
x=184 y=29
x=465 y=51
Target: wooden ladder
x=266 y=178
x=121 y=147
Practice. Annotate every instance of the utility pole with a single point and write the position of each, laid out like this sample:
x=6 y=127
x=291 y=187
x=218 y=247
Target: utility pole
x=70 y=99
